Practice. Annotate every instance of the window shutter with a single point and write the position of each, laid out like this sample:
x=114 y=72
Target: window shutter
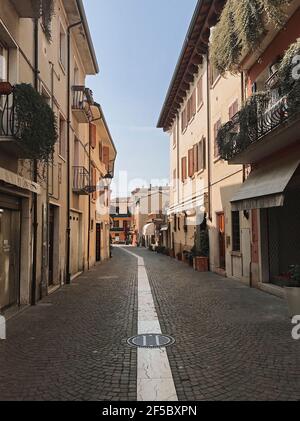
x=93 y=135
x=183 y=169
x=196 y=163
x=106 y=156
x=100 y=151
x=191 y=162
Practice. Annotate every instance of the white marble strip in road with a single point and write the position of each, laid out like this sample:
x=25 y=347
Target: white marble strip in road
x=154 y=377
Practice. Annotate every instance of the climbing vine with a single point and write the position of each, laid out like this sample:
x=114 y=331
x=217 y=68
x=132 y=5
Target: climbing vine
x=45 y=9
x=236 y=136
x=289 y=76
x=240 y=29
x=36 y=123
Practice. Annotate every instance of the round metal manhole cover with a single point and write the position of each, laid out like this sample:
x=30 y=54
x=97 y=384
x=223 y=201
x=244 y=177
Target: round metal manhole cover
x=151 y=340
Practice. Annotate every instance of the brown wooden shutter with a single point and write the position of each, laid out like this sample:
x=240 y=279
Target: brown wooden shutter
x=93 y=135
x=106 y=156
x=183 y=169
x=196 y=163
x=191 y=162
x=100 y=151
x=202 y=154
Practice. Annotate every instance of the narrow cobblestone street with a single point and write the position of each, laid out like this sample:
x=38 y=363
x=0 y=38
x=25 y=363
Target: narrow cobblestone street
x=232 y=342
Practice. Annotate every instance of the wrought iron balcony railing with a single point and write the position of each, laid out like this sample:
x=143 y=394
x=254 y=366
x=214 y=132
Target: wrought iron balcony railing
x=254 y=122
x=81 y=181
x=8 y=119
x=82 y=101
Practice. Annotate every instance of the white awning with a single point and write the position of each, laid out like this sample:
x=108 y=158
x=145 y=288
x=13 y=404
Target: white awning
x=149 y=229
x=165 y=228
x=265 y=186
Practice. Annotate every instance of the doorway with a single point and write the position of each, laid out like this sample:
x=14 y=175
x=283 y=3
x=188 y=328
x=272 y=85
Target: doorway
x=98 y=242
x=51 y=244
x=221 y=235
x=10 y=239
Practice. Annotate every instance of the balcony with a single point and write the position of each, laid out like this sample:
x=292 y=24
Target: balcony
x=81 y=181
x=8 y=123
x=25 y=8
x=81 y=104
x=265 y=125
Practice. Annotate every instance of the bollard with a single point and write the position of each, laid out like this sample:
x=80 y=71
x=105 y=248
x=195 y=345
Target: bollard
x=2 y=328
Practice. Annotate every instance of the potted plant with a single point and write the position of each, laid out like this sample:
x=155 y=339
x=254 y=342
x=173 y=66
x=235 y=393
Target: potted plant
x=201 y=251
x=292 y=291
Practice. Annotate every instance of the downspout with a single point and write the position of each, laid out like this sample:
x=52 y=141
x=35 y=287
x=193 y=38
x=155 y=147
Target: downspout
x=68 y=273
x=89 y=206
x=209 y=141
x=35 y=172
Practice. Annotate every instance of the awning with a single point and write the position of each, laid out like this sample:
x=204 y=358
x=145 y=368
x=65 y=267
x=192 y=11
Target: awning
x=265 y=186
x=165 y=228
x=149 y=229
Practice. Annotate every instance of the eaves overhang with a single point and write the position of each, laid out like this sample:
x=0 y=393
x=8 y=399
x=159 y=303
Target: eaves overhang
x=196 y=43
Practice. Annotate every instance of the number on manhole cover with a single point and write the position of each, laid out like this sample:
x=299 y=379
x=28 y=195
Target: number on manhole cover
x=151 y=340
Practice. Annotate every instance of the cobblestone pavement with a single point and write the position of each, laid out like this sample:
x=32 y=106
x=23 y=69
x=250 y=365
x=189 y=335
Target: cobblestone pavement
x=72 y=349
x=232 y=342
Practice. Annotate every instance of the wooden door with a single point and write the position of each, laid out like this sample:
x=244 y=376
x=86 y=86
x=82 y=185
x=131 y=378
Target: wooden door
x=221 y=233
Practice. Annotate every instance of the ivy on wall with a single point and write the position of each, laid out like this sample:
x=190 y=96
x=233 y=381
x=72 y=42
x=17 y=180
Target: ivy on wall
x=37 y=127
x=289 y=76
x=240 y=29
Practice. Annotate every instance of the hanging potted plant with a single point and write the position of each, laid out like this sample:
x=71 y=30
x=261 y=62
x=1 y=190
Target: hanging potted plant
x=292 y=291
x=201 y=251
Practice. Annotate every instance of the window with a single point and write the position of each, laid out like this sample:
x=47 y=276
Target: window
x=178 y=222
x=116 y=224
x=191 y=162
x=118 y=210
x=217 y=127
x=202 y=154
x=62 y=46
x=236 y=237
x=175 y=223
x=62 y=136
x=200 y=92
x=3 y=64
x=183 y=169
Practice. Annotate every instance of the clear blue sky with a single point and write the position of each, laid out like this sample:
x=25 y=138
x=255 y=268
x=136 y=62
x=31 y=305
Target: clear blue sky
x=138 y=44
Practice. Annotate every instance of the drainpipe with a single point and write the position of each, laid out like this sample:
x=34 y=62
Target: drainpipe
x=89 y=207
x=208 y=142
x=68 y=273
x=35 y=172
